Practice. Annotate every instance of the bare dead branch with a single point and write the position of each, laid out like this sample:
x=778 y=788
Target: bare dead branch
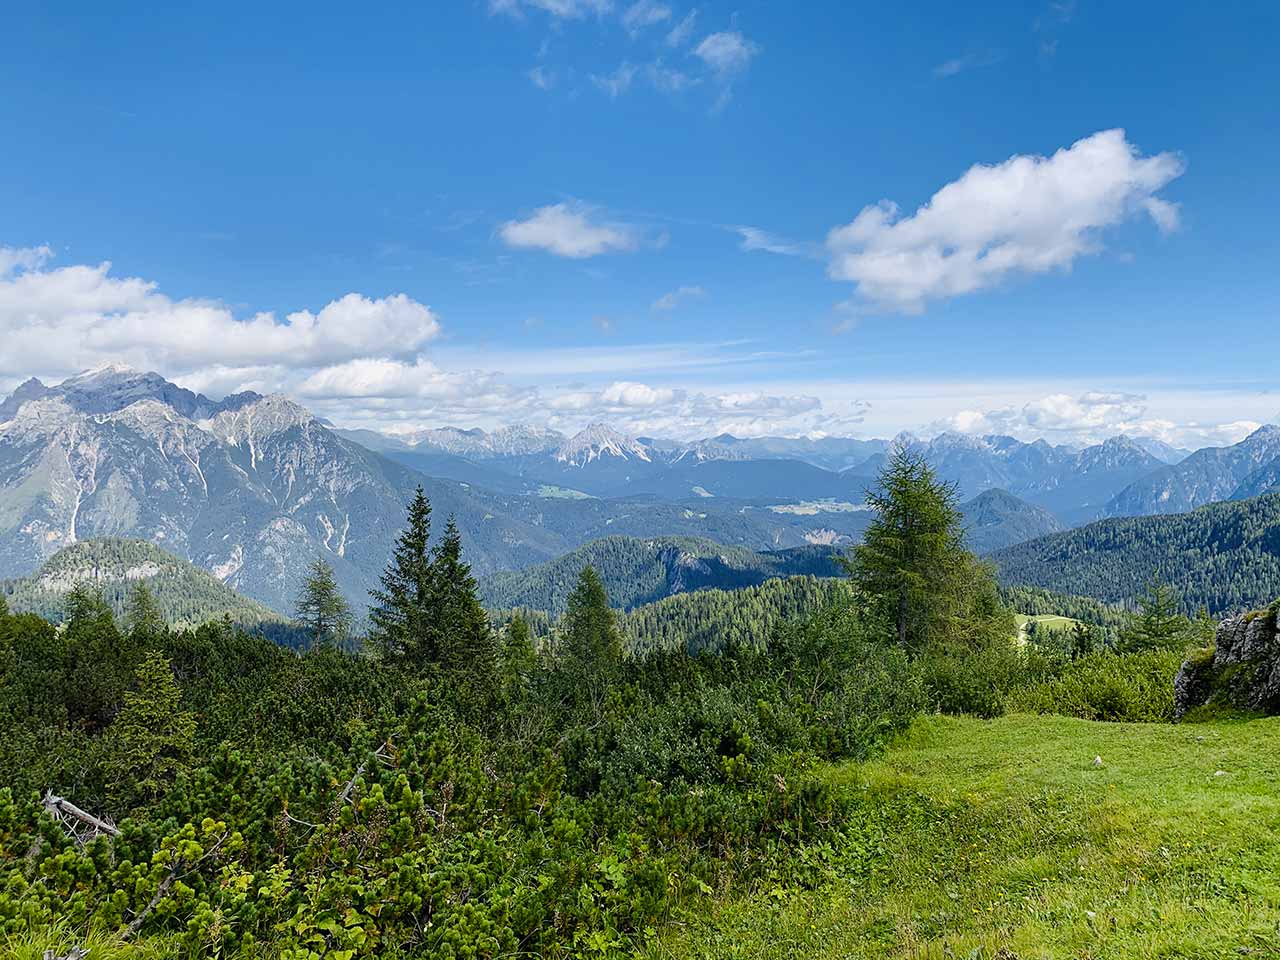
x=80 y=826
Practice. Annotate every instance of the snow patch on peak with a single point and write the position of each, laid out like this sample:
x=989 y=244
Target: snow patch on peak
x=106 y=371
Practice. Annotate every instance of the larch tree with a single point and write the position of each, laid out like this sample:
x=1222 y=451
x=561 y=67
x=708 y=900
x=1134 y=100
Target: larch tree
x=912 y=567
x=590 y=641
x=519 y=656
x=143 y=617
x=321 y=609
x=1159 y=623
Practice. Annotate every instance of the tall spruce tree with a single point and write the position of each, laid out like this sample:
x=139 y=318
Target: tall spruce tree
x=143 y=617
x=519 y=656
x=101 y=658
x=400 y=618
x=912 y=567
x=151 y=740
x=463 y=637
x=590 y=642
x=321 y=609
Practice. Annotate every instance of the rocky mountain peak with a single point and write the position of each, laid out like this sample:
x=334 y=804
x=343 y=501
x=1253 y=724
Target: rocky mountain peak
x=258 y=419
x=31 y=389
x=113 y=387
x=600 y=440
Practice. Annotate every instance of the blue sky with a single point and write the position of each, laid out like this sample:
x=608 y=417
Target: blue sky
x=562 y=210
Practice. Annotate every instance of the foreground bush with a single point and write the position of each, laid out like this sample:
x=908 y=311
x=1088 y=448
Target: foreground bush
x=337 y=806
x=1135 y=687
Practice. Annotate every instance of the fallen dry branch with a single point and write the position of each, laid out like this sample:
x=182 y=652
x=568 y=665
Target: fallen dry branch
x=80 y=826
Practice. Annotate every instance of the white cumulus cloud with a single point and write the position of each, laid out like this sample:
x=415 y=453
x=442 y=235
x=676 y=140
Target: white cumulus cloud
x=65 y=319
x=1093 y=417
x=567 y=230
x=13 y=259
x=1027 y=215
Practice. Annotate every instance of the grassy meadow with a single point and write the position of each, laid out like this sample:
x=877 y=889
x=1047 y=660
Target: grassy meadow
x=1008 y=839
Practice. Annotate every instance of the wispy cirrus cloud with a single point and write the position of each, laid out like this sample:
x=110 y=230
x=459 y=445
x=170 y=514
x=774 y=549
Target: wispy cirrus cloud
x=618 y=81
x=561 y=9
x=969 y=61
x=755 y=239
x=673 y=299
x=541 y=77
x=644 y=14
x=680 y=34
x=727 y=52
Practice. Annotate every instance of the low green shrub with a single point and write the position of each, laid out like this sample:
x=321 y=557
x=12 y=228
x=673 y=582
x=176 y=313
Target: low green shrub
x=972 y=682
x=1136 y=687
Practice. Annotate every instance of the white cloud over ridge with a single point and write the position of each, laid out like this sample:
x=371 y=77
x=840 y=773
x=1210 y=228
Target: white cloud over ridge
x=567 y=230
x=380 y=362
x=1093 y=417
x=358 y=361
x=1027 y=215
x=67 y=318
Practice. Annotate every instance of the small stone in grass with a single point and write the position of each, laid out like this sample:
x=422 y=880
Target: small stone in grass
x=1097 y=761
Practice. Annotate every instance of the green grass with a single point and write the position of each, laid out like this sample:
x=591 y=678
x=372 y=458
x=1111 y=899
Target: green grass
x=1050 y=623
x=1008 y=841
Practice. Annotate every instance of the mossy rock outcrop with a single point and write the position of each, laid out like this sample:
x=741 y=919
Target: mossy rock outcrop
x=1241 y=670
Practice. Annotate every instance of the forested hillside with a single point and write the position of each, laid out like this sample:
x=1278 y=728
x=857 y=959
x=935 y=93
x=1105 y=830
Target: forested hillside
x=1225 y=556
x=713 y=620
x=114 y=566
x=637 y=571
x=997 y=519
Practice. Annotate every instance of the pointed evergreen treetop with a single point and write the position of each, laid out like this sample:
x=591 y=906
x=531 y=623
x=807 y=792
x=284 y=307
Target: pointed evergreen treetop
x=142 y=615
x=399 y=615
x=590 y=629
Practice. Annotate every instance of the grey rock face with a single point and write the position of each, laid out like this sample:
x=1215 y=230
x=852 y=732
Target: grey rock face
x=1242 y=672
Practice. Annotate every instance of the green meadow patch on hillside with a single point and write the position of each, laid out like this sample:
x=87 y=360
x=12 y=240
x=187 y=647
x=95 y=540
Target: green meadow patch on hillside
x=1038 y=837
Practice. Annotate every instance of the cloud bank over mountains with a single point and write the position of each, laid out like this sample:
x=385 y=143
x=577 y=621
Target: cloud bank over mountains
x=379 y=362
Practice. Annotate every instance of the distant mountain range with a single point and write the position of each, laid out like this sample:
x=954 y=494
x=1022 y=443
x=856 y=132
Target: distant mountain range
x=250 y=488
x=1247 y=469
x=1076 y=485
